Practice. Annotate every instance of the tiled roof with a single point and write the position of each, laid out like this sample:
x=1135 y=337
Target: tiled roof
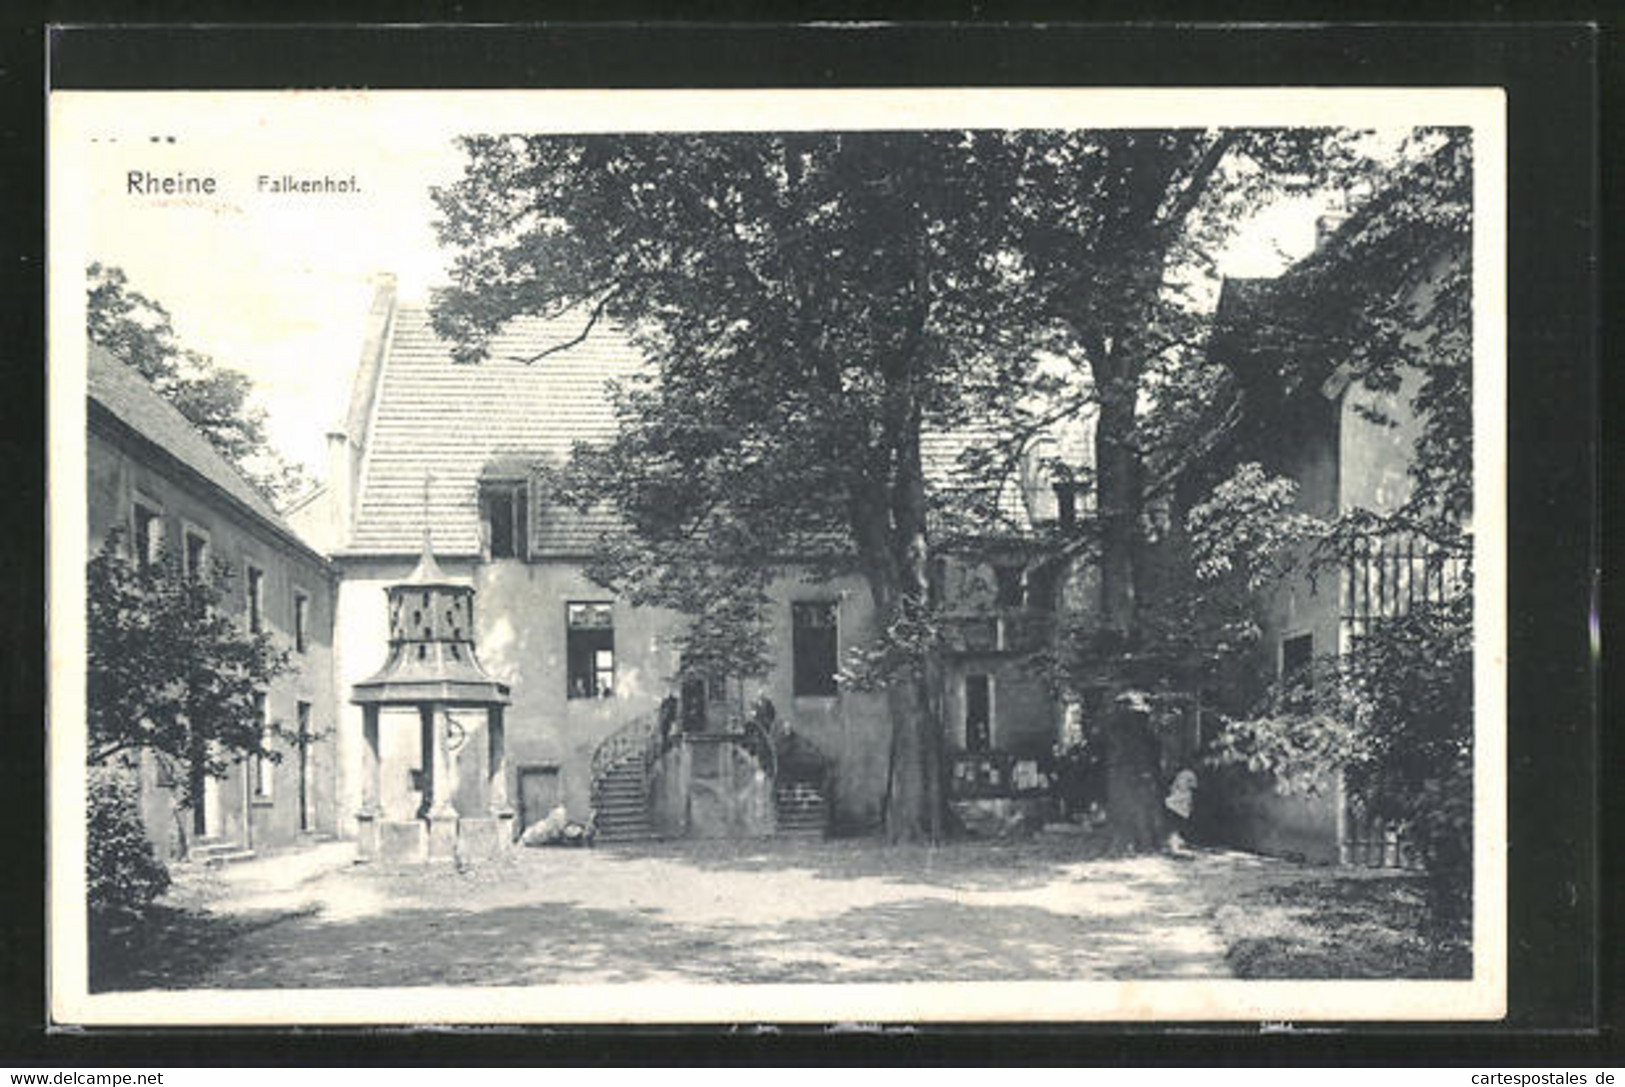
x=132 y=400
x=455 y=420
x=946 y=474
x=462 y=421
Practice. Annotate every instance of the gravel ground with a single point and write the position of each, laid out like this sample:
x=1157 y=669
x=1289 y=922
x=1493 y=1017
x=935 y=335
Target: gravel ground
x=725 y=912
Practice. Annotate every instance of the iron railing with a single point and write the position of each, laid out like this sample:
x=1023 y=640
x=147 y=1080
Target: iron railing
x=639 y=738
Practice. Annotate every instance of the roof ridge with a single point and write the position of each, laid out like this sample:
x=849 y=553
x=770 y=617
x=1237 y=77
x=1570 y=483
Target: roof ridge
x=117 y=372
x=363 y=476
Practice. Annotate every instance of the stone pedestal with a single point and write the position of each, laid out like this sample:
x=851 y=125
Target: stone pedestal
x=479 y=839
x=366 y=836
x=442 y=836
x=402 y=841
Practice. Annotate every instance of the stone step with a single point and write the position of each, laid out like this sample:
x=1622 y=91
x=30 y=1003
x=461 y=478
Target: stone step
x=223 y=853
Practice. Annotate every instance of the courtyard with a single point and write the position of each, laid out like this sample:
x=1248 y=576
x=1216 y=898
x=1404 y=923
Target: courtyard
x=746 y=912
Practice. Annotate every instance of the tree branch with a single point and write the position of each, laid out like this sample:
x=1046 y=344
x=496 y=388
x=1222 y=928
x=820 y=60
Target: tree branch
x=1196 y=184
x=592 y=321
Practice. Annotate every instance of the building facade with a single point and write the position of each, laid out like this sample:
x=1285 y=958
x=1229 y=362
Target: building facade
x=151 y=474
x=457 y=448
x=1349 y=447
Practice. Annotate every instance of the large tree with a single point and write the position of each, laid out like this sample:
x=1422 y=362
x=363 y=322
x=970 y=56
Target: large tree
x=810 y=304
x=169 y=672
x=139 y=331
x=1118 y=233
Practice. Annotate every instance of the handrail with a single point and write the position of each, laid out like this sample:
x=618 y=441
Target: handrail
x=760 y=744
x=638 y=737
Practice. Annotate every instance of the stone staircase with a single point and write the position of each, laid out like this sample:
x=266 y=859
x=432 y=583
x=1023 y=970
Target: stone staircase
x=803 y=811
x=620 y=775
x=621 y=802
x=214 y=852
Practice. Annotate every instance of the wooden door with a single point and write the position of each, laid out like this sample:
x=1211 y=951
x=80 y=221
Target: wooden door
x=539 y=793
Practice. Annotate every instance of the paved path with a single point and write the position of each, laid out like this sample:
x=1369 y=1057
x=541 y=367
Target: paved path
x=722 y=912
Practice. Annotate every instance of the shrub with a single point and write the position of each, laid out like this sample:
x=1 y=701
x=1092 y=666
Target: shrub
x=123 y=873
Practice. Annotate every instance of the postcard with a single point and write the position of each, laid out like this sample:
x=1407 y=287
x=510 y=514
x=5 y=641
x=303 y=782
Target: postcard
x=781 y=556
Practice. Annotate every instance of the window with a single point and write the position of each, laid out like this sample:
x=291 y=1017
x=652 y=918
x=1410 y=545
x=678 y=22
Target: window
x=149 y=534
x=503 y=510
x=301 y=619
x=1297 y=672
x=256 y=599
x=589 y=650
x=261 y=767
x=698 y=695
x=196 y=555
x=813 y=647
x=1296 y=654
x=978 y=714
x=1041 y=589
x=1011 y=587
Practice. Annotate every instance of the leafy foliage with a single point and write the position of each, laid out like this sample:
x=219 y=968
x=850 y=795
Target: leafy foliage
x=170 y=672
x=1250 y=526
x=139 y=332
x=123 y=875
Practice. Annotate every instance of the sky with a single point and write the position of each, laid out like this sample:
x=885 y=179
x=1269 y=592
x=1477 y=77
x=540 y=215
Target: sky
x=278 y=285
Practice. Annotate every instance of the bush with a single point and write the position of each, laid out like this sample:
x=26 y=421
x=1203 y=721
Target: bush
x=123 y=873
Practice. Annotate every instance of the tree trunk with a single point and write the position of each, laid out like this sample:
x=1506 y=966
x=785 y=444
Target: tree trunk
x=1117 y=481
x=1134 y=789
x=914 y=800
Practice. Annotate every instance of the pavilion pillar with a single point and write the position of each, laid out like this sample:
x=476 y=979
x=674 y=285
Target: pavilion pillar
x=440 y=786
x=367 y=818
x=496 y=762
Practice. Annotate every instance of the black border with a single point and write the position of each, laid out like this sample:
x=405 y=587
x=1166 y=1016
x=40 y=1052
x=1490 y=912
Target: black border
x=1550 y=73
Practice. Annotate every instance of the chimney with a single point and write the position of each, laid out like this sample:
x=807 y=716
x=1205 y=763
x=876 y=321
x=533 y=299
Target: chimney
x=1327 y=225
x=383 y=287
x=348 y=436
x=1066 y=504
x=338 y=484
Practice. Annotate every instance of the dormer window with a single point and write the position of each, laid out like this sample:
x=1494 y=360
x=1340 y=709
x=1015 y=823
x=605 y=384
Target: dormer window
x=503 y=516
